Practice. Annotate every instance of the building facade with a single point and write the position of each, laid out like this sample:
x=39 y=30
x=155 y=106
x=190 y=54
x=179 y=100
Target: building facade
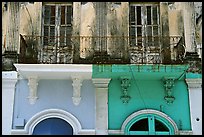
x=109 y=68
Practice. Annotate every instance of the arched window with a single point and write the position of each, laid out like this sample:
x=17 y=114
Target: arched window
x=149 y=122
x=149 y=126
x=53 y=126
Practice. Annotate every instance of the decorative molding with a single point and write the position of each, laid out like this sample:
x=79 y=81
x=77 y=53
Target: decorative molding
x=194 y=83
x=125 y=84
x=9 y=74
x=76 y=83
x=87 y=132
x=9 y=79
x=115 y=132
x=76 y=100
x=169 y=84
x=185 y=132
x=101 y=82
x=9 y=84
x=32 y=83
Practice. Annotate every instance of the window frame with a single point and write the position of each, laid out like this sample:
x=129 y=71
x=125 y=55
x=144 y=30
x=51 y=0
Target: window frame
x=144 y=25
x=57 y=27
x=151 y=119
x=57 y=47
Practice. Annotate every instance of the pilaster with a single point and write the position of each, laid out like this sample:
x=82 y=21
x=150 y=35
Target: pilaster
x=101 y=105
x=9 y=80
x=195 y=102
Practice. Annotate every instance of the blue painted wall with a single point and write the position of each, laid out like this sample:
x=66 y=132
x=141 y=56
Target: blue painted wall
x=56 y=94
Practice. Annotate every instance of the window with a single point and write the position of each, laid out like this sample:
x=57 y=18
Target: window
x=57 y=30
x=144 y=24
x=57 y=22
x=159 y=126
x=150 y=125
x=141 y=125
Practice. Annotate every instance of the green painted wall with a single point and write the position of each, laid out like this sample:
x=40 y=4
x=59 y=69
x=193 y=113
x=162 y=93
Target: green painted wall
x=193 y=75
x=146 y=91
x=148 y=94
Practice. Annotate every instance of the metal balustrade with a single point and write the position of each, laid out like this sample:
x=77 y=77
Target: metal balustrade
x=112 y=50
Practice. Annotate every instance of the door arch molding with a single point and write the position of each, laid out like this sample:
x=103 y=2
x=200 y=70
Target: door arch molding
x=52 y=113
x=137 y=115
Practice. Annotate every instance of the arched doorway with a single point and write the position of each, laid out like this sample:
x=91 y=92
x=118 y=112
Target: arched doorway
x=53 y=126
x=46 y=114
x=149 y=122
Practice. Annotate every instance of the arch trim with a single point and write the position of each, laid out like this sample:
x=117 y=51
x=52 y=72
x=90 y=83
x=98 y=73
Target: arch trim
x=51 y=113
x=149 y=111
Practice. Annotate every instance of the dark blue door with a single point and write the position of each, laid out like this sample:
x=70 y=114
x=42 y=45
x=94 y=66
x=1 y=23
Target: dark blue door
x=53 y=126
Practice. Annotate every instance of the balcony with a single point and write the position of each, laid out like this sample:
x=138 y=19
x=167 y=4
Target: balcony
x=101 y=50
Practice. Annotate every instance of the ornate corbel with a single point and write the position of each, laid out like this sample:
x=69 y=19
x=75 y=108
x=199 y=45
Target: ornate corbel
x=76 y=83
x=33 y=84
x=125 y=84
x=169 y=84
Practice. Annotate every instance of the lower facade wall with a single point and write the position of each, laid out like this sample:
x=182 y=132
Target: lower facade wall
x=55 y=94
x=55 y=100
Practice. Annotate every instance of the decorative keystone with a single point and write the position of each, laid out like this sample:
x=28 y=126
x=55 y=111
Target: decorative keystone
x=125 y=84
x=77 y=83
x=169 y=84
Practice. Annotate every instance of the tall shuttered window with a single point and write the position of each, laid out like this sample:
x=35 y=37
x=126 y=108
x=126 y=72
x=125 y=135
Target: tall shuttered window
x=57 y=24
x=144 y=24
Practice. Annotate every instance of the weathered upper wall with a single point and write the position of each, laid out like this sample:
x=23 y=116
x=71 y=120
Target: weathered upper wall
x=4 y=26
x=188 y=14
x=87 y=25
x=25 y=20
x=30 y=18
x=117 y=21
x=175 y=23
x=117 y=25
x=114 y=21
x=198 y=15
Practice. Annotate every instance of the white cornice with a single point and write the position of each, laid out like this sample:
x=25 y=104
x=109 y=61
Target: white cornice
x=34 y=72
x=54 y=71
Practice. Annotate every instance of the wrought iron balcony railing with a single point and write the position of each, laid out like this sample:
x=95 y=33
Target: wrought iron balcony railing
x=101 y=50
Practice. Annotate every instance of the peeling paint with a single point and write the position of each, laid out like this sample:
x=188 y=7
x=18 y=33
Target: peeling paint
x=87 y=29
x=177 y=18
